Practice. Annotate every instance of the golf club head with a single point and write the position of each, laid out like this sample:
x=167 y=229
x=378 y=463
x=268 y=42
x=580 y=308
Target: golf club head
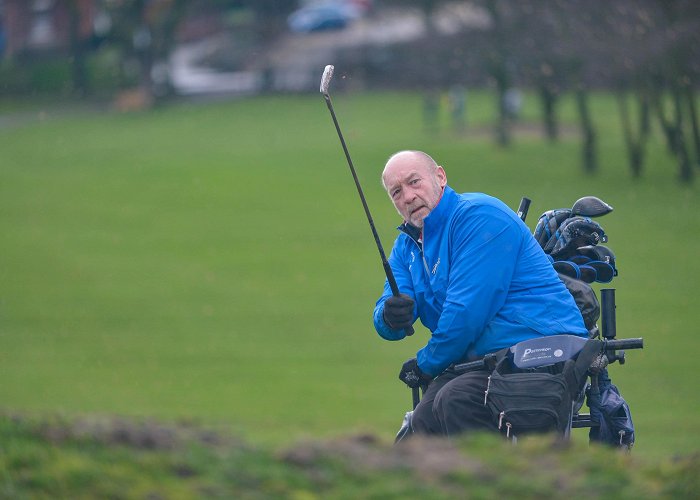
x=590 y=206
x=326 y=79
x=588 y=273
x=548 y=224
x=599 y=253
x=574 y=233
x=580 y=259
x=567 y=268
x=604 y=271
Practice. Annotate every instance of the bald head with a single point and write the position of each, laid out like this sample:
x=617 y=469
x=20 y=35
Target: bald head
x=414 y=182
x=418 y=159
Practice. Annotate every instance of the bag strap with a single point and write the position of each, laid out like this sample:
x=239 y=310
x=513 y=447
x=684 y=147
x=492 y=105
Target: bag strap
x=576 y=371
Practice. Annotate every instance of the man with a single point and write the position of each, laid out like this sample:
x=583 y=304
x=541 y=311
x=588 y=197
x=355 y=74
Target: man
x=468 y=267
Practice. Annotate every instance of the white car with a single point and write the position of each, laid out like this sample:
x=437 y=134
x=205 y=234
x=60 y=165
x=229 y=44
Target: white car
x=325 y=16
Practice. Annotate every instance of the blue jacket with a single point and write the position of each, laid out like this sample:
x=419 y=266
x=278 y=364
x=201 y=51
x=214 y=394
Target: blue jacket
x=480 y=282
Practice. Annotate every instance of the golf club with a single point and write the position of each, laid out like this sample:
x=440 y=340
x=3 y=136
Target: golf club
x=325 y=82
x=590 y=206
x=523 y=208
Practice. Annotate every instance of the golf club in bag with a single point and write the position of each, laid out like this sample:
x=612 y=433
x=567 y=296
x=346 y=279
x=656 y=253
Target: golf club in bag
x=325 y=82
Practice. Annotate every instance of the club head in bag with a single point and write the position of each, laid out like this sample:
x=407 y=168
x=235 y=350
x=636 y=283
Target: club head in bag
x=599 y=253
x=548 y=224
x=588 y=273
x=604 y=271
x=576 y=232
x=567 y=268
x=580 y=259
x=590 y=206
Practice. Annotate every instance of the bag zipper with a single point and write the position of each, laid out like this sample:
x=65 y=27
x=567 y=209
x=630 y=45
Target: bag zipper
x=486 y=392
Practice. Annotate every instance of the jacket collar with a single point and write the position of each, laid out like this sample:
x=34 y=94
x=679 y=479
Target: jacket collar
x=436 y=217
x=443 y=209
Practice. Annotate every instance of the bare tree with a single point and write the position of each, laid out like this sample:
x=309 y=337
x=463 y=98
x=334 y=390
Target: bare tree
x=78 y=42
x=675 y=74
x=635 y=139
x=499 y=64
x=145 y=32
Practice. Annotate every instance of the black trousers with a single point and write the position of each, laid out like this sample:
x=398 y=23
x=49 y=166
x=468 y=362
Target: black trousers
x=453 y=404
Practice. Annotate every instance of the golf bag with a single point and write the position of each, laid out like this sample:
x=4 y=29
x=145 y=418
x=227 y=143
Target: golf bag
x=534 y=385
x=571 y=240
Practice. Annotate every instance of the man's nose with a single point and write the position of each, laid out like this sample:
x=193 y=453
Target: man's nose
x=408 y=195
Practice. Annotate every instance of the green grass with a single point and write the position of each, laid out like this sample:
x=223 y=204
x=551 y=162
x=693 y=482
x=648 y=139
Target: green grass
x=213 y=262
x=58 y=458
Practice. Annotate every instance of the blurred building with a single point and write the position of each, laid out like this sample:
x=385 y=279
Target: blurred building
x=31 y=26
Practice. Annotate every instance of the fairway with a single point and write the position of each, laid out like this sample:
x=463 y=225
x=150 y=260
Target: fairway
x=213 y=263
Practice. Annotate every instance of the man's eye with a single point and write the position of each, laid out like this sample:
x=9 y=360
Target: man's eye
x=395 y=193
x=414 y=182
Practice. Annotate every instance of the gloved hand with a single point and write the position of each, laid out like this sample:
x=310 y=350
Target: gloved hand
x=413 y=376
x=398 y=312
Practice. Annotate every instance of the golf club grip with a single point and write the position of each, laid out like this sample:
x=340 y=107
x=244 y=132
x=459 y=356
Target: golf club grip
x=394 y=288
x=523 y=208
x=470 y=366
x=612 y=345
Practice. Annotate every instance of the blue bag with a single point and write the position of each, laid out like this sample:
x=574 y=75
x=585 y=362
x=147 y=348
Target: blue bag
x=612 y=413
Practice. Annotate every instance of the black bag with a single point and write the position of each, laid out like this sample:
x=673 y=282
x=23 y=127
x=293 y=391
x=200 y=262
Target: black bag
x=537 y=399
x=612 y=413
x=585 y=298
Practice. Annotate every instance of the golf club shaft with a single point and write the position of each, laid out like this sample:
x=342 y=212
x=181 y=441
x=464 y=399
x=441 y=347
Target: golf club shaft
x=385 y=263
x=387 y=268
x=523 y=208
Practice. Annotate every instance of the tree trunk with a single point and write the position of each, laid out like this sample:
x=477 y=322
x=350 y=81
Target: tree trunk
x=166 y=42
x=428 y=7
x=499 y=71
x=666 y=125
x=589 y=152
x=549 y=104
x=635 y=152
x=77 y=46
x=644 y=111
x=503 y=124
x=693 y=114
x=673 y=130
x=685 y=169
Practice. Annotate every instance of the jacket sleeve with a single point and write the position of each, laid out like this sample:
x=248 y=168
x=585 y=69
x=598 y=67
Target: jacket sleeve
x=484 y=250
x=403 y=280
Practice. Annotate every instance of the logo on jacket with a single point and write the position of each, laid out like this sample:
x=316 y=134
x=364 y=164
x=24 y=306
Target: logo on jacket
x=436 y=265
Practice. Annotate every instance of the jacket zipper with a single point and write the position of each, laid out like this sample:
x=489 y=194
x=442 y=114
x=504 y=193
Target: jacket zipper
x=422 y=253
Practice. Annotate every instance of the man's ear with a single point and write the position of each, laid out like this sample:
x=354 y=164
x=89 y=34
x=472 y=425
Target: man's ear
x=442 y=176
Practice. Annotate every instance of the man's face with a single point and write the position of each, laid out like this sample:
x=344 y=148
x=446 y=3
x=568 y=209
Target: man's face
x=414 y=187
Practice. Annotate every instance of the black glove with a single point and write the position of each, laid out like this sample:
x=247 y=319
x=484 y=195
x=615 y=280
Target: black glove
x=413 y=376
x=398 y=312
